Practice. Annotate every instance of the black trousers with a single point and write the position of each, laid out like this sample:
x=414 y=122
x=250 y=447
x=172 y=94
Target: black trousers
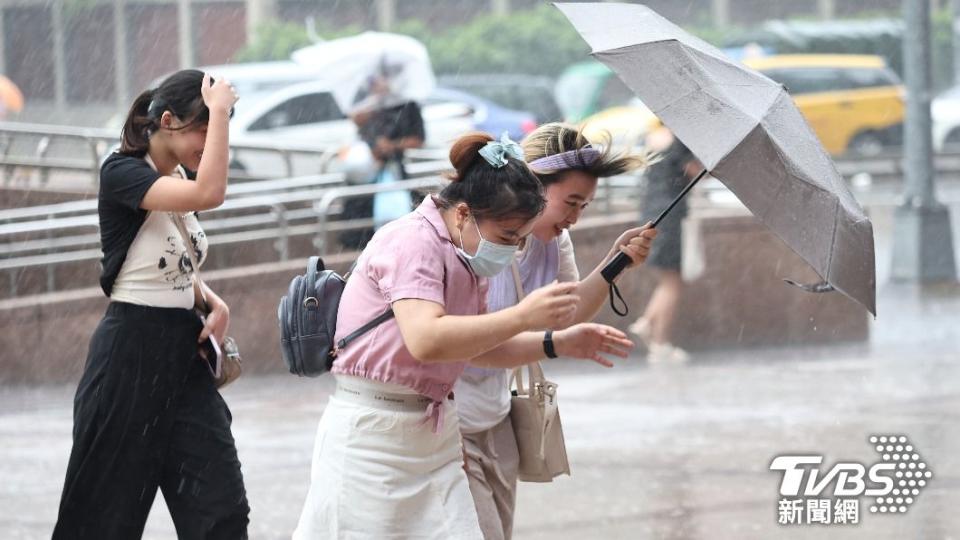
x=357 y=208
x=147 y=415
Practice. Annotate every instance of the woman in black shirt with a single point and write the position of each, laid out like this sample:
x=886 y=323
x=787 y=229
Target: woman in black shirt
x=146 y=412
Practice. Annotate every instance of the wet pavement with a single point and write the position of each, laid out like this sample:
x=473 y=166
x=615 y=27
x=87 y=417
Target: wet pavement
x=678 y=452
x=664 y=452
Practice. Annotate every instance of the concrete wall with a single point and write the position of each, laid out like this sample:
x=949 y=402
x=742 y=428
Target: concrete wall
x=739 y=300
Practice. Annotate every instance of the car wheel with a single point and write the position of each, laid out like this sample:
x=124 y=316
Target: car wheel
x=867 y=143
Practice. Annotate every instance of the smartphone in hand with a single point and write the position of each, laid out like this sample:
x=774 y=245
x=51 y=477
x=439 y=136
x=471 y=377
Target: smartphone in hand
x=212 y=355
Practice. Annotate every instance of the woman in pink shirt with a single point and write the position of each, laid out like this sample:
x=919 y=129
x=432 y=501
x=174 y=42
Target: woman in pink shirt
x=388 y=461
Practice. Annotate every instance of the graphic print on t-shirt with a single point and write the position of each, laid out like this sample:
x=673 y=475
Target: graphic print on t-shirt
x=178 y=274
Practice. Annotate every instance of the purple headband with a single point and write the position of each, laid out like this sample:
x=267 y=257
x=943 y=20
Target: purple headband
x=571 y=159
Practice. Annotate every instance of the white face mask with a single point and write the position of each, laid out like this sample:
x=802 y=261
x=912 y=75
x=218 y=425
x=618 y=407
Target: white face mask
x=490 y=258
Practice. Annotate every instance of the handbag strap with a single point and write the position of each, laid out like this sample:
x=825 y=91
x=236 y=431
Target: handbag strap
x=534 y=369
x=517 y=281
x=182 y=227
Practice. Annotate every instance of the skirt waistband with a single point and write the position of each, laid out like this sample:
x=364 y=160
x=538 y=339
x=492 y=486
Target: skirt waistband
x=370 y=396
x=175 y=316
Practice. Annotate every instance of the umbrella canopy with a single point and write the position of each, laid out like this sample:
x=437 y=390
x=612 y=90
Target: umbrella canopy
x=371 y=70
x=10 y=96
x=746 y=131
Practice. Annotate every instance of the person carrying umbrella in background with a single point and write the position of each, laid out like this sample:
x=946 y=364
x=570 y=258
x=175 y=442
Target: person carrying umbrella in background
x=377 y=79
x=663 y=181
x=569 y=167
x=388 y=128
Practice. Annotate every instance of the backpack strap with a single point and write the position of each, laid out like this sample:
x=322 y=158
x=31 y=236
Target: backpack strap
x=314 y=265
x=383 y=317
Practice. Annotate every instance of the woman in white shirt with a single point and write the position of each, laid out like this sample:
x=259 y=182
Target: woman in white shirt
x=569 y=167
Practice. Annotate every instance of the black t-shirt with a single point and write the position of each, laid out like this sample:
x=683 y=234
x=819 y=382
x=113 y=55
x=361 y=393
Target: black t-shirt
x=666 y=179
x=124 y=181
x=394 y=123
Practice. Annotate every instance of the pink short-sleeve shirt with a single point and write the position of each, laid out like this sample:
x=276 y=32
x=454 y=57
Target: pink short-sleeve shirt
x=412 y=257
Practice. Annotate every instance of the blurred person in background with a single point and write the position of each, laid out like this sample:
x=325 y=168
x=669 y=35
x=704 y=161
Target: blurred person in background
x=388 y=128
x=664 y=180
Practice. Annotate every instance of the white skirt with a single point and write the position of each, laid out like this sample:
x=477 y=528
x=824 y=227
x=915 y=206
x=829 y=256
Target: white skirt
x=384 y=474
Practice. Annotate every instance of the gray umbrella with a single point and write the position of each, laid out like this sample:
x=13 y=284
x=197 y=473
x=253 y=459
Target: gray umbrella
x=746 y=131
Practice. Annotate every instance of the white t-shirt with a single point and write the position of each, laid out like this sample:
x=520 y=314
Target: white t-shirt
x=157 y=271
x=483 y=395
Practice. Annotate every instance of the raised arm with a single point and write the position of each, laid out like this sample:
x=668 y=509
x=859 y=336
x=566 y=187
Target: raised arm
x=173 y=194
x=593 y=289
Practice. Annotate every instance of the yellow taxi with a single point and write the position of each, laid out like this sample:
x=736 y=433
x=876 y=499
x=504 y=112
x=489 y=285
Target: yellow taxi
x=854 y=103
x=625 y=125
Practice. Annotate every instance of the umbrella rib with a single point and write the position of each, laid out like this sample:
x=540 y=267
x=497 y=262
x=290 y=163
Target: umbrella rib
x=833 y=241
x=784 y=157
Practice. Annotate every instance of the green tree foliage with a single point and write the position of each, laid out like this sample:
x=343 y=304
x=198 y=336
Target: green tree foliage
x=273 y=41
x=539 y=41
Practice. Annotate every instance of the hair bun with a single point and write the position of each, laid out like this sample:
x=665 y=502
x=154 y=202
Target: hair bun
x=466 y=150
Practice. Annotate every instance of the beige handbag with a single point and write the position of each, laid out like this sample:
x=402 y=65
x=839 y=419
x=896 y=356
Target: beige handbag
x=227 y=366
x=536 y=419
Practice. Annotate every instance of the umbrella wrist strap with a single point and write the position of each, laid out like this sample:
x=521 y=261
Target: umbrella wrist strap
x=615 y=295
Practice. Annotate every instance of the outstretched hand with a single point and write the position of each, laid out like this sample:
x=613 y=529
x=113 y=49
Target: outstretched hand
x=591 y=341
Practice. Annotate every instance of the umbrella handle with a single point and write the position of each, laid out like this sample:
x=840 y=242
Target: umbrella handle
x=621 y=261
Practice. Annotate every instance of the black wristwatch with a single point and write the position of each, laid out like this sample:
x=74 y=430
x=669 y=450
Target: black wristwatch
x=548 y=344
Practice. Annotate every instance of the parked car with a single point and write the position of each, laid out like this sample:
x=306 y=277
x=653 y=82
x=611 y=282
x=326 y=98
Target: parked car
x=515 y=91
x=625 y=125
x=854 y=103
x=485 y=114
x=259 y=78
x=945 y=112
x=306 y=115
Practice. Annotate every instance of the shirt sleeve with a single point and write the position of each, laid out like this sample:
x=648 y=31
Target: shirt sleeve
x=568 y=262
x=125 y=180
x=407 y=266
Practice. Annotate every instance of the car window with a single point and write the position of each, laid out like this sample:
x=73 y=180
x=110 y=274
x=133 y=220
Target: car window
x=808 y=80
x=812 y=80
x=869 y=78
x=299 y=110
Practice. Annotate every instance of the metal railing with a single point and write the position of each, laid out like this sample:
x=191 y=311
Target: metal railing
x=277 y=215
x=285 y=208
x=322 y=208
x=280 y=209
x=35 y=143
x=86 y=206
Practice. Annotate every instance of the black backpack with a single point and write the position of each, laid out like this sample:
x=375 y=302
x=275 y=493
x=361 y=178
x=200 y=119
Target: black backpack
x=308 y=320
